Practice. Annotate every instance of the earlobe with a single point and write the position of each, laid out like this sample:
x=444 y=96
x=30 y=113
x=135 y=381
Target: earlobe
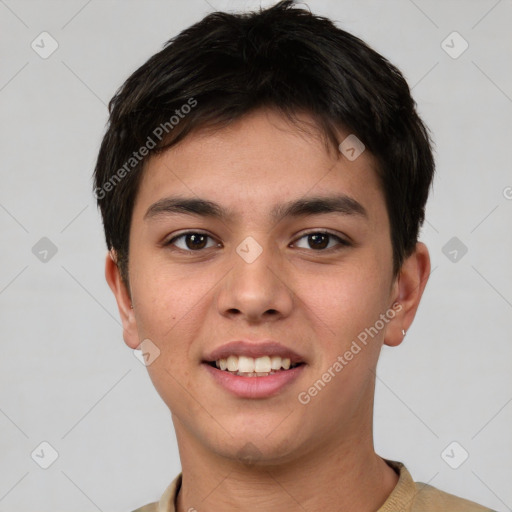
x=410 y=285
x=123 y=299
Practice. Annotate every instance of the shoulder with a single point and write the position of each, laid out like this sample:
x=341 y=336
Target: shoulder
x=150 y=507
x=411 y=496
x=167 y=502
x=430 y=498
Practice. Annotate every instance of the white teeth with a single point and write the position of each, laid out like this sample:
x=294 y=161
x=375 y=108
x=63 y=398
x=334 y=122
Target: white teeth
x=245 y=364
x=232 y=363
x=260 y=366
x=275 y=362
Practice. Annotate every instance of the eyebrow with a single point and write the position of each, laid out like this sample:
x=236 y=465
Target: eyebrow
x=341 y=203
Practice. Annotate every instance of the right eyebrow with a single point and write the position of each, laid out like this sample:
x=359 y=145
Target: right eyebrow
x=187 y=205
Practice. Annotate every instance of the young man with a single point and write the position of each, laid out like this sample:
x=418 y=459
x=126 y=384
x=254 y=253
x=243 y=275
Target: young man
x=262 y=183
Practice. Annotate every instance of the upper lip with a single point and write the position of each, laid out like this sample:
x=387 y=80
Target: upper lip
x=253 y=349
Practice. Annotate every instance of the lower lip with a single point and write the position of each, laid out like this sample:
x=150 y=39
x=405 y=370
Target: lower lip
x=255 y=387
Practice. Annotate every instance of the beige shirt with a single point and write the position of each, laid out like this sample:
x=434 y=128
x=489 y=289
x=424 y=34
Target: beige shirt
x=407 y=496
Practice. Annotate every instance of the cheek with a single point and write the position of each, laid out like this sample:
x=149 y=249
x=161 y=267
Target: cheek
x=172 y=305
x=346 y=299
x=164 y=297
x=168 y=307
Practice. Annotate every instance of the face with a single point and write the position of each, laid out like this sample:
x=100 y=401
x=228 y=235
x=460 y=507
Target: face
x=296 y=249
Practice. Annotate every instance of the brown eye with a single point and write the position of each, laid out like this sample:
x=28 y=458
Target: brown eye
x=193 y=241
x=320 y=240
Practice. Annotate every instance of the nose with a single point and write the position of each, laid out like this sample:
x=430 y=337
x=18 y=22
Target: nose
x=257 y=287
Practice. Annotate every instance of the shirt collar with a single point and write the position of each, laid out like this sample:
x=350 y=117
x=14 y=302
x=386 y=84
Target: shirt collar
x=401 y=498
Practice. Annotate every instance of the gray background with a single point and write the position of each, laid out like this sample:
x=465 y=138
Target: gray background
x=66 y=376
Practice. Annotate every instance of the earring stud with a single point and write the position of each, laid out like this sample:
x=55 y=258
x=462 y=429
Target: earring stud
x=403 y=332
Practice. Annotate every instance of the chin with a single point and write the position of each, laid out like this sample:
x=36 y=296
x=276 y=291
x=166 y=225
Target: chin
x=260 y=450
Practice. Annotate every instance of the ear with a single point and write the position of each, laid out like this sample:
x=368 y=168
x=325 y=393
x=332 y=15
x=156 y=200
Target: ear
x=124 y=303
x=407 y=291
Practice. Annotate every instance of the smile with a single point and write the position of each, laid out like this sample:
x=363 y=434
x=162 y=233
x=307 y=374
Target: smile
x=245 y=366
x=254 y=384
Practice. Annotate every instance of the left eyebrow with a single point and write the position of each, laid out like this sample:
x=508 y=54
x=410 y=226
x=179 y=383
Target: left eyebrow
x=342 y=203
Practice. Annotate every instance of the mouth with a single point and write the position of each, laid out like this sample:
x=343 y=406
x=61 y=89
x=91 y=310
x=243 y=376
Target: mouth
x=254 y=384
x=254 y=369
x=245 y=366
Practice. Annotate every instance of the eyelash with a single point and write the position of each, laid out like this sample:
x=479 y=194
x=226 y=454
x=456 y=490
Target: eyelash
x=342 y=242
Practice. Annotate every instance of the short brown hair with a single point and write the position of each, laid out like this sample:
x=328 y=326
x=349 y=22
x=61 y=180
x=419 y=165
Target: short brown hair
x=283 y=57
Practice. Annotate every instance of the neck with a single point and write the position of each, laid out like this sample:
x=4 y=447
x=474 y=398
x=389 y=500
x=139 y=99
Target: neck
x=331 y=477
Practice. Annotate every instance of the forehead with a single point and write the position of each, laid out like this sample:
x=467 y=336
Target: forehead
x=257 y=163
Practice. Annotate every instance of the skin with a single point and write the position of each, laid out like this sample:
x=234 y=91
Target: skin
x=315 y=457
